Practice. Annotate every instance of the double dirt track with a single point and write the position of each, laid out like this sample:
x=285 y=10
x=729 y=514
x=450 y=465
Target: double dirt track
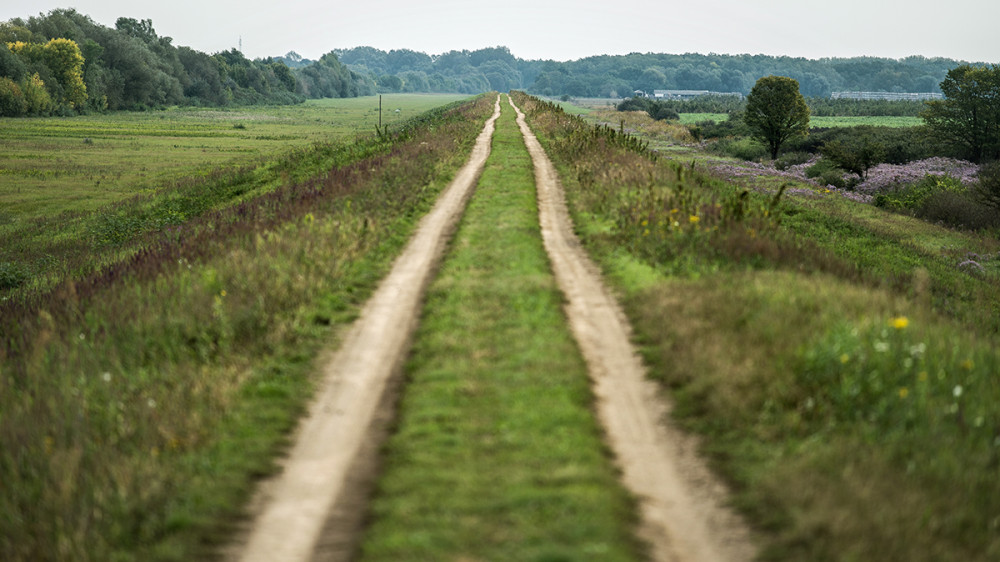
x=312 y=509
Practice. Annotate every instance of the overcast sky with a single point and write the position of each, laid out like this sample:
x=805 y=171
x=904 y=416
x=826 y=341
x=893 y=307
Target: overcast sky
x=564 y=29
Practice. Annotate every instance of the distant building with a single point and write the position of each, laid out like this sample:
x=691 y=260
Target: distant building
x=689 y=94
x=893 y=96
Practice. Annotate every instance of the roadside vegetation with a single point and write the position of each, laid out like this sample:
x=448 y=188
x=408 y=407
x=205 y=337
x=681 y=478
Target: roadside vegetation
x=838 y=360
x=141 y=401
x=497 y=454
x=939 y=170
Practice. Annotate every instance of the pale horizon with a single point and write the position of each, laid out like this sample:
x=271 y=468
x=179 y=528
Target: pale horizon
x=563 y=30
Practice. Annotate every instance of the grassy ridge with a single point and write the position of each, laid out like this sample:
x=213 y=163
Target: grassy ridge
x=139 y=403
x=497 y=455
x=839 y=364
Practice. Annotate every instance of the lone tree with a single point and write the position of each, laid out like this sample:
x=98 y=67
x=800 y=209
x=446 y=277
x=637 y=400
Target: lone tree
x=776 y=112
x=969 y=116
x=858 y=153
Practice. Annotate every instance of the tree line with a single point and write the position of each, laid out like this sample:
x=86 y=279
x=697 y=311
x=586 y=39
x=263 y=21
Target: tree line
x=63 y=62
x=620 y=76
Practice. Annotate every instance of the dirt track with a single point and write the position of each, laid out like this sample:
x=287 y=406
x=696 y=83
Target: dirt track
x=682 y=515
x=310 y=510
x=334 y=435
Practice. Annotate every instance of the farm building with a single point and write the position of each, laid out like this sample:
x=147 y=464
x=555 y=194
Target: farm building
x=910 y=96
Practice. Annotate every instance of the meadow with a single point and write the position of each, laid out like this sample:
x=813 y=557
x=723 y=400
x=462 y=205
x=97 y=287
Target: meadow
x=820 y=122
x=838 y=360
x=75 y=189
x=141 y=400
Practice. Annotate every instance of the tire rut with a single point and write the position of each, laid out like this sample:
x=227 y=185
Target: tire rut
x=333 y=450
x=683 y=517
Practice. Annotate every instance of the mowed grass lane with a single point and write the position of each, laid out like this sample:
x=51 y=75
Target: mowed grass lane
x=497 y=455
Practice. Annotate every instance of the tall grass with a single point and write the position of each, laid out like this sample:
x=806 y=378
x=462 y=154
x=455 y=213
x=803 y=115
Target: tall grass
x=140 y=401
x=840 y=365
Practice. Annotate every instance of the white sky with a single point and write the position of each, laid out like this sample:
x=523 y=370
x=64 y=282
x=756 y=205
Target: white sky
x=562 y=30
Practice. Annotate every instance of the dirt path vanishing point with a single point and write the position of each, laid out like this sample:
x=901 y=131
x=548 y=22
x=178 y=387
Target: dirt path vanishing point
x=299 y=501
x=683 y=518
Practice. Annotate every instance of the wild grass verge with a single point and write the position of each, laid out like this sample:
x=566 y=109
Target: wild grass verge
x=140 y=402
x=497 y=455
x=854 y=412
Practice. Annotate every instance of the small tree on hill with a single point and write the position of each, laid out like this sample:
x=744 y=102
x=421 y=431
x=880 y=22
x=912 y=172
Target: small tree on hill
x=776 y=112
x=857 y=153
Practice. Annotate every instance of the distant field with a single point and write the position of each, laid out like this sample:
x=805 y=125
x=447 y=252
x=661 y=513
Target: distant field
x=73 y=189
x=691 y=118
x=873 y=121
x=50 y=165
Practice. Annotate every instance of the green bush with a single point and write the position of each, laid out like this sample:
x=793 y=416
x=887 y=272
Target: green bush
x=12 y=275
x=913 y=196
x=958 y=210
x=901 y=144
x=790 y=159
x=12 y=102
x=743 y=148
x=987 y=190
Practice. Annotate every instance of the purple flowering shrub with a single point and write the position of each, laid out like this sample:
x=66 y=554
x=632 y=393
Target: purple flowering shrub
x=885 y=177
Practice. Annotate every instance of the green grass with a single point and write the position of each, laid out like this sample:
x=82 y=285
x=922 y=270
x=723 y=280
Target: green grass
x=78 y=164
x=692 y=118
x=839 y=365
x=873 y=121
x=820 y=122
x=139 y=405
x=497 y=455
x=71 y=206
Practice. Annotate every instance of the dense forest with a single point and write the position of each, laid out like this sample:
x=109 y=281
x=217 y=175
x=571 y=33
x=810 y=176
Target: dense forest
x=63 y=62
x=619 y=76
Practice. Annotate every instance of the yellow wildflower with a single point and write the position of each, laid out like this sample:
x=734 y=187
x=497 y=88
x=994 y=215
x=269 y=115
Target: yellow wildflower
x=844 y=358
x=899 y=322
x=693 y=219
x=904 y=392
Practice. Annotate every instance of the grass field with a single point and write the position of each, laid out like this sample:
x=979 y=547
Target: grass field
x=839 y=363
x=497 y=454
x=78 y=164
x=140 y=403
x=819 y=122
x=75 y=192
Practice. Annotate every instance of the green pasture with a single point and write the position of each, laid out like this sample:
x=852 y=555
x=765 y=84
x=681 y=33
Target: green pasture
x=821 y=122
x=75 y=192
x=50 y=165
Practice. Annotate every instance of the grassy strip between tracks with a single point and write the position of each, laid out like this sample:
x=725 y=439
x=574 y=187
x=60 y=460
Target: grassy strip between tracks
x=839 y=364
x=136 y=410
x=497 y=454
